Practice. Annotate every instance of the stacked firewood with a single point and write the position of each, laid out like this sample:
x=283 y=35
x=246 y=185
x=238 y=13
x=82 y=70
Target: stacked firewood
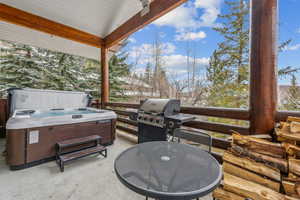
x=263 y=170
x=288 y=133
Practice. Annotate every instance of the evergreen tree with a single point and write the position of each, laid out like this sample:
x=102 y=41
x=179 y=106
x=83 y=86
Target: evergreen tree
x=219 y=78
x=228 y=70
x=21 y=66
x=118 y=68
x=26 y=66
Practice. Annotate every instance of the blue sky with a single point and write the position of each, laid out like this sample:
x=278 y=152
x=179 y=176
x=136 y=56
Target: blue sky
x=191 y=24
x=289 y=28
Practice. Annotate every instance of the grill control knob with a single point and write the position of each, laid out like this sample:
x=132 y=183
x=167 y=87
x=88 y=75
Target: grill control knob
x=171 y=124
x=151 y=119
x=157 y=121
x=140 y=117
x=145 y=118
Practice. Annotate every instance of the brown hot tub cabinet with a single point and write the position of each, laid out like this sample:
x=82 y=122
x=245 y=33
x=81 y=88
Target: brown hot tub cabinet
x=32 y=133
x=23 y=151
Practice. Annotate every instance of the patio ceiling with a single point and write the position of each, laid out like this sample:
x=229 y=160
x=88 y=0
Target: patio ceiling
x=75 y=26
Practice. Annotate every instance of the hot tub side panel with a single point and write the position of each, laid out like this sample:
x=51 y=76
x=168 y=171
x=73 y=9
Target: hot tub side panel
x=15 y=147
x=36 y=145
x=113 y=129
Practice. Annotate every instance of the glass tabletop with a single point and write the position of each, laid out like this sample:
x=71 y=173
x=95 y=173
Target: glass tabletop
x=168 y=170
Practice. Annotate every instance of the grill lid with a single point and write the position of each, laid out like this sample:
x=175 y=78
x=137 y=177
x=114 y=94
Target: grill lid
x=160 y=106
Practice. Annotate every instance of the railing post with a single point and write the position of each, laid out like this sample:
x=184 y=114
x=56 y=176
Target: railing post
x=104 y=77
x=263 y=66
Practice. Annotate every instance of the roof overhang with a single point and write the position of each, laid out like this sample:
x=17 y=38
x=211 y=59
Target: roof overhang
x=75 y=26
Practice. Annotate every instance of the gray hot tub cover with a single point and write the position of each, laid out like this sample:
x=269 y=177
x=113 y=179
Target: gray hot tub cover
x=37 y=99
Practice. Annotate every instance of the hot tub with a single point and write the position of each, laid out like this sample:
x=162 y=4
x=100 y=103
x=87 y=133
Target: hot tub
x=32 y=133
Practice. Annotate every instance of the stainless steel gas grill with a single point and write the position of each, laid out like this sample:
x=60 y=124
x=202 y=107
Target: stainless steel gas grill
x=158 y=118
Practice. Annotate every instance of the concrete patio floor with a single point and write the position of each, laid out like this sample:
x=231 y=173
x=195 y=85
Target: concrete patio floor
x=89 y=178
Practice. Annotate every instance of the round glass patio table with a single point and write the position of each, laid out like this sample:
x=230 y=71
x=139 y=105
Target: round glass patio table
x=168 y=170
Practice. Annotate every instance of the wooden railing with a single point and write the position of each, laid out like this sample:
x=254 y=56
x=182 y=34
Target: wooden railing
x=3 y=116
x=219 y=144
x=129 y=126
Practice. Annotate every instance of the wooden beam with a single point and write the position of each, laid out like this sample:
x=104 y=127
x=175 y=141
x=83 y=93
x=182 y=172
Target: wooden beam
x=122 y=112
x=19 y=17
x=232 y=113
x=217 y=127
x=104 y=77
x=263 y=61
x=128 y=130
x=124 y=105
x=4 y=114
x=157 y=9
x=127 y=121
x=283 y=115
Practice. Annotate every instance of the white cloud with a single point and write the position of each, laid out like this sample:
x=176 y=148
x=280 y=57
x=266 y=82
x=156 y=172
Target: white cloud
x=211 y=11
x=292 y=47
x=162 y=34
x=171 y=62
x=190 y=36
x=181 y=17
x=186 y=17
x=138 y=71
x=176 y=72
x=144 y=52
x=168 y=48
x=131 y=40
x=179 y=61
x=175 y=65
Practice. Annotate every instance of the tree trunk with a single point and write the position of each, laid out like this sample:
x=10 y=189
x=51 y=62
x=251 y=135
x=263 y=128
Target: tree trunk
x=289 y=137
x=250 y=176
x=251 y=190
x=278 y=163
x=221 y=194
x=295 y=127
x=294 y=166
x=292 y=178
x=293 y=119
x=259 y=145
x=291 y=188
x=251 y=165
x=291 y=150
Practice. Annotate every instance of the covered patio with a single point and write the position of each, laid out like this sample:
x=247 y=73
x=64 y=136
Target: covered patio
x=46 y=182
x=94 y=29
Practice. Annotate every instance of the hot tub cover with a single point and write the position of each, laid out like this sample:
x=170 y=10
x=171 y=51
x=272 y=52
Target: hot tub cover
x=37 y=99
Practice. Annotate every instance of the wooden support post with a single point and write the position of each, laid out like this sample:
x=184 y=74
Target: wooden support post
x=263 y=61
x=104 y=77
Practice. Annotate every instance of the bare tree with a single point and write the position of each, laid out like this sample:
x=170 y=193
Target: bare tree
x=179 y=85
x=160 y=81
x=200 y=92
